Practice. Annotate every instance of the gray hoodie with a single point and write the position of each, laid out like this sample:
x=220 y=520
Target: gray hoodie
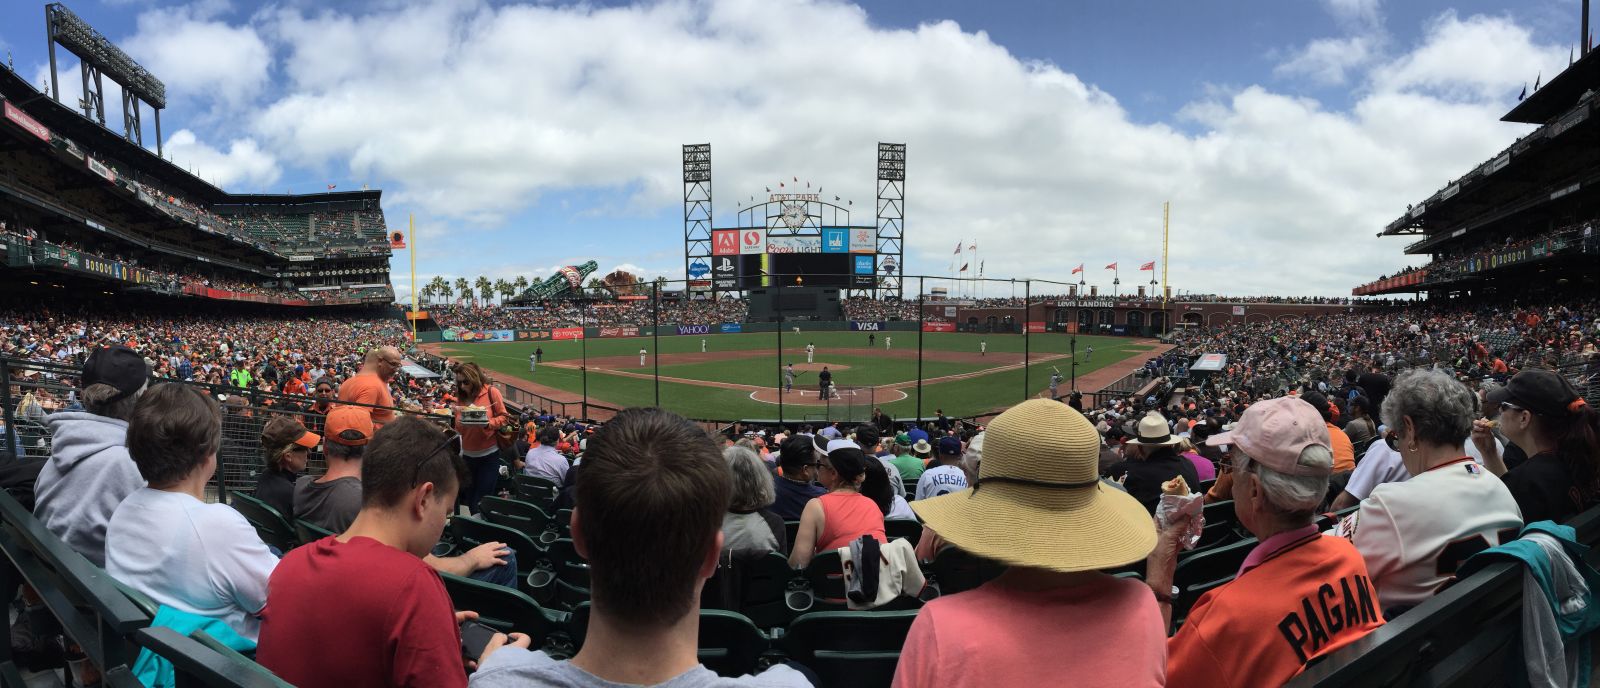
x=88 y=475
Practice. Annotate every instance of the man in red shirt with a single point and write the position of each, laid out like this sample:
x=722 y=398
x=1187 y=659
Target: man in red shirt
x=367 y=591
x=371 y=385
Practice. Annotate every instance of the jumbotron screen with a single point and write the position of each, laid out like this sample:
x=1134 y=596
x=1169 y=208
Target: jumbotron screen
x=767 y=270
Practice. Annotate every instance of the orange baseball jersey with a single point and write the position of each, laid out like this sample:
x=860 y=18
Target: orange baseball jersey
x=1307 y=599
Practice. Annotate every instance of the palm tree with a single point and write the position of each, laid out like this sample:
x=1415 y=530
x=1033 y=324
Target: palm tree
x=439 y=287
x=485 y=289
x=521 y=283
x=504 y=289
x=463 y=287
x=596 y=287
x=661 y=283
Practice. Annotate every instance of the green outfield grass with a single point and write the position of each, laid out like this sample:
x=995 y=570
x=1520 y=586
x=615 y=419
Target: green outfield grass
x=957 y=398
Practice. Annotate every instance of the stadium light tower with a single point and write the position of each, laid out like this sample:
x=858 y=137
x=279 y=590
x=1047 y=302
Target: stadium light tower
x=99 y=57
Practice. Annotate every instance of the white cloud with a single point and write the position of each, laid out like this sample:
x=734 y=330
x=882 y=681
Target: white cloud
x=1360 y=15
x=1478 y=58
x=243 y=164
x=199 y=56
x=1326 y=61
x=468 y=111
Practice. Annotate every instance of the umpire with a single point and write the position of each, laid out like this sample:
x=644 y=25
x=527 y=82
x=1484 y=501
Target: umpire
x=825 y=382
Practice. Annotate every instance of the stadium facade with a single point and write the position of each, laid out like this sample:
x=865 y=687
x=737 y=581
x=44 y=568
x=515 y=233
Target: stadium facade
x=1523 y=218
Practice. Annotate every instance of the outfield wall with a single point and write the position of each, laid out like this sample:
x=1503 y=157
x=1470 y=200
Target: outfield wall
x=454 y=335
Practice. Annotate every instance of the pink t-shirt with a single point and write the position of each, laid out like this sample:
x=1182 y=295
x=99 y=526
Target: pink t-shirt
x=1000 y=636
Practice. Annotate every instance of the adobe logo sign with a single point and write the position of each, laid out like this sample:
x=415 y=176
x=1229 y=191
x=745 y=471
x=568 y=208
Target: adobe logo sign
x=725 y=242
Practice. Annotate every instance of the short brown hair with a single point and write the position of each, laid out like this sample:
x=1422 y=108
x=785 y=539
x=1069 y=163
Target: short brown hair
x=651 y=501
x=172 y=430
x=394 y=462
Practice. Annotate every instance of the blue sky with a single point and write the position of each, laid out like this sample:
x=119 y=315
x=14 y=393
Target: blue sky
x=525 y=137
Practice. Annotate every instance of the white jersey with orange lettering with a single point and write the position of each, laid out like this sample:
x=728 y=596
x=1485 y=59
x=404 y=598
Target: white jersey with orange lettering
x=1414 y=534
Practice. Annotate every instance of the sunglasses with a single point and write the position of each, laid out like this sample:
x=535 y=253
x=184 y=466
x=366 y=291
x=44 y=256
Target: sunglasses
x=1508 y=406
x=453 y=442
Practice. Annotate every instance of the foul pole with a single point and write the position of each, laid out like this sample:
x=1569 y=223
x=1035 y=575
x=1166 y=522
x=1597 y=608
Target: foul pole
x=1166 y=214
x=411 y=221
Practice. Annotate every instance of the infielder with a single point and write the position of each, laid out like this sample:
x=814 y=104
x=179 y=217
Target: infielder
x=533 y=363
x=702 y=345
x=641 y=357
x=983 y=348
x=1087 y=353
x=811 y=350
x=888 y=343
x=788 y=378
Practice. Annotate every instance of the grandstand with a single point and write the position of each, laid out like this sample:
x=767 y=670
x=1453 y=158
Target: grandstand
x=1527 y=216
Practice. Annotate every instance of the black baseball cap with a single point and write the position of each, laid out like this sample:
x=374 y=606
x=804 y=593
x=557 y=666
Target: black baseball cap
x=117 y=366
x=1540 y=391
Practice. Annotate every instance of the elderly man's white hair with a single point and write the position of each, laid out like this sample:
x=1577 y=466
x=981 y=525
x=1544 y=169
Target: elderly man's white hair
x=1291 y=495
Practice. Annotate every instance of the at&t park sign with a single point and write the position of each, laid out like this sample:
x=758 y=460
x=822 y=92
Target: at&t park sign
x=801 y=198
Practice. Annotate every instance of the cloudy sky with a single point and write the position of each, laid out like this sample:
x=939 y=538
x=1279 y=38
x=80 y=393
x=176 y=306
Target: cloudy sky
x=525 y=136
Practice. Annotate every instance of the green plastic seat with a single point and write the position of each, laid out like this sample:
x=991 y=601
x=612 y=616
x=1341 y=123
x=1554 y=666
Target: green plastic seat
x=310 y=532
x=507 y=610
x=849 y=649
x=273 y=527
x=523 y=516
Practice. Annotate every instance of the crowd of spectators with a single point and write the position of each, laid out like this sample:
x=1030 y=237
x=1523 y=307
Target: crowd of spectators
x=566 y=313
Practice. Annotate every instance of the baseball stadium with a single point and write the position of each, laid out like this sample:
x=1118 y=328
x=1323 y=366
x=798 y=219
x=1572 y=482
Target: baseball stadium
x=353 y=436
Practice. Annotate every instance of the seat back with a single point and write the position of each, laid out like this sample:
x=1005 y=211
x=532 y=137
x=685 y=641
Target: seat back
x=572 y=573
x=310 y=532
x=765 y=582
x=958 y=571
x=1203 y=571
x=1220 y=523
x=469 y=532
x=273 y=527
x=825 y=573
x=536 y=490
x=849 y=648
x=730 y=644
x=791 y=530
x=903 y=529
x=505 y=609
x=512 y=513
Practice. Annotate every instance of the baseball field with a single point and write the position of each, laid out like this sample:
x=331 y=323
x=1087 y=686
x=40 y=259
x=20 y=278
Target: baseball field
x=742 y=375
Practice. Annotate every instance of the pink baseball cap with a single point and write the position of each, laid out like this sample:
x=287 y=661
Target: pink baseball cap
x=1275 y=431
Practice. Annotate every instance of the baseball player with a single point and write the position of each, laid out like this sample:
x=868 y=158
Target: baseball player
x=1086 y=354
x=872 y=339
x=983 y=348
x=533 y=363
x=888 y=343
x=702 y=345
x=788 y=378
x=1055 y=381
x=642 y=352
x=811 y=350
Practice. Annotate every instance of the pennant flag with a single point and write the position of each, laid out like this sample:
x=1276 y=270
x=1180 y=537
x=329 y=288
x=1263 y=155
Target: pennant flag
x=332 y=186
x=1524 y=93
x=808 y=184
x=980 y=268
x=769 y=189
x=964 y=266
x=958 y=248
x=1538 y=79
x=1112 y=266
x=1078 y=269
x=973 y=247
x=1570 y=52
x=797 y=179
x=835 y=198
x=1151 y=266
x=780 y=185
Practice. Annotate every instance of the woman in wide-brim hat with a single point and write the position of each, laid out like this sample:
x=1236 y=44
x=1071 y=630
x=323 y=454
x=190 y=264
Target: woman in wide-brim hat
x=1039 y=506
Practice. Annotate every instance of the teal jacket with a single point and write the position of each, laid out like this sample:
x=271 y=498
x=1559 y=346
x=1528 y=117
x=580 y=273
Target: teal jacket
x=155 y=671
x=1580 y=620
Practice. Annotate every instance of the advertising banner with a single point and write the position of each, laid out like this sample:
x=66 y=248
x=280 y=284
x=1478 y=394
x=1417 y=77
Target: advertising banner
x=102 y=169
x=532 y=335
x=938 y=327
x=862 y=281
x=1238 y=310
x=863 y=240
x=1036 y=326
x=694 y=329
x=725 y=242
x=949 y=311
x=699 y=285
x=752 y=241
x=1072 y=328
x=863 y=265
x=800 y=244
x=453 y=334
x=623 y=331
x=866 y=326
x=699 y=268
x=731 y=328
x=29 y=124
x=1119 y=329
x=567 y=333
x=724 y=272
x=833 y=240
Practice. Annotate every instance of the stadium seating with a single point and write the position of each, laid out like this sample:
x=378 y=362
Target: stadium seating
x=522 y=516
x=848 y=649
x=310 y=532
x=903 y=529
x=508 y=610
x=468 y=532
x=730 y=644
x=1204 y=570
x=955 y=570
x=540 y=492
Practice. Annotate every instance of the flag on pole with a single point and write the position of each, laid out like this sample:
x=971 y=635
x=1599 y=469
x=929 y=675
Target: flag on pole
x=964 y=266
x=973 y=247
x=1151 y=266
x=1078 y=269
x=1537 y=79
x=980 y=268
x=332 y=186
x=1524 y=92
x=1112 y=266
x=958 y=248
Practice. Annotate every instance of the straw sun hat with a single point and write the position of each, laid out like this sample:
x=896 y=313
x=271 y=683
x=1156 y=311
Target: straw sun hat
x=1039 y=501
